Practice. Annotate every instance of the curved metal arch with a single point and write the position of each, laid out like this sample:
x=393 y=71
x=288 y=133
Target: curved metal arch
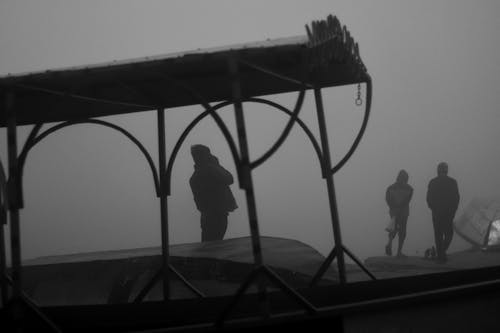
x=35 y=141
x=293 y=118
x=224 y=104
x=22 y=157
x=183 y=136
x=357 y=140
x=31 y=137
x=208 y=108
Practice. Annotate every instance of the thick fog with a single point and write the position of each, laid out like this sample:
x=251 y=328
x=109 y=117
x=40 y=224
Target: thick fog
x=436 y=75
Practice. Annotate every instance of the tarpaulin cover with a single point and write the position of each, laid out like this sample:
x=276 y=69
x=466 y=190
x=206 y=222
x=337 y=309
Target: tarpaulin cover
x=215 y=268
x=474 y=223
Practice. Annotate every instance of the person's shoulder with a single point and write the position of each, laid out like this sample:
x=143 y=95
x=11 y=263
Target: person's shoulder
x=449 y=179
x=195 y=176
x=390 y=187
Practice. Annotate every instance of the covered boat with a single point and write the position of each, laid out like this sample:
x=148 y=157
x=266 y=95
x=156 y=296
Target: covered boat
x=215 y=268
x=306 y=293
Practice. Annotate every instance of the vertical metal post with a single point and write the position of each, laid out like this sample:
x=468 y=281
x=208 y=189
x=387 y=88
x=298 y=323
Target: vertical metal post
x=327 y=165
x=246 y=181
x=15 y=236
x=165 y=251
x=3 y=271
x=246 y=172
x=3 y=222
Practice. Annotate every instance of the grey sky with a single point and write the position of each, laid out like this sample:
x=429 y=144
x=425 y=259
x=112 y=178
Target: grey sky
x=436 y=72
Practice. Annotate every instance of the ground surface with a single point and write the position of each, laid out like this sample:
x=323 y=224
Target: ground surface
x=392 y=266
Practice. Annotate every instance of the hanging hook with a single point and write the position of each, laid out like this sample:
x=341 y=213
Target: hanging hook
x=358 y=100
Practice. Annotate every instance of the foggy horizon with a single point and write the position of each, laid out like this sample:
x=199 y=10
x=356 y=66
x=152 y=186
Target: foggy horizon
x=435 y=71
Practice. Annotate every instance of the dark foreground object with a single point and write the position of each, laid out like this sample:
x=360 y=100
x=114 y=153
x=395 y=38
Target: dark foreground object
x=462 y=301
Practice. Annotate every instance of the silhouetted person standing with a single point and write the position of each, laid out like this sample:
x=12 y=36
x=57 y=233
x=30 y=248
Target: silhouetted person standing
x=398 y=196
x=212 y=195
x=443 y=199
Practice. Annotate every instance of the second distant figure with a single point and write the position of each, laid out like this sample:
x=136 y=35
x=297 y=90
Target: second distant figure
x=443 y=199
x=398 y=197
x=212 y=195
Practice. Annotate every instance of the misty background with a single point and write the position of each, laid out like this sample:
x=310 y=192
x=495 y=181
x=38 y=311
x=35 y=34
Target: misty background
x=436 y=73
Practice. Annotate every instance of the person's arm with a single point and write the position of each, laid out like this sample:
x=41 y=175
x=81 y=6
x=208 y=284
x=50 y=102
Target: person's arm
x=195 y=189
x=410 y=196
x=388 y=198
x=221 y=175
x=429 y=197
x=456 y=195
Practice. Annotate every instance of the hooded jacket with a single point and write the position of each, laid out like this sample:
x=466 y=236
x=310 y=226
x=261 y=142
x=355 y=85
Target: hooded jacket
x=398 y=195
x=210 y=186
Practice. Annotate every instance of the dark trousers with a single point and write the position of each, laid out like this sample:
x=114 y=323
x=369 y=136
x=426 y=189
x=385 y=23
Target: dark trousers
x=213 y=226
x=443 y=231
x=400 y=226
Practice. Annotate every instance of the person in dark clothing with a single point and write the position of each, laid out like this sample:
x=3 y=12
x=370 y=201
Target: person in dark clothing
x=212 y=195
x=398 y=197
x=443 y=199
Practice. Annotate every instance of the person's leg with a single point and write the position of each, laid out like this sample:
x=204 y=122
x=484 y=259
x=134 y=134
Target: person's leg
x=401 y=221
x=209 y=227
x=214 y=226
x=391 y=235
x=438 y=235
x=448 y=233
x=388 y=247
x=220 y=226
x=204 y=228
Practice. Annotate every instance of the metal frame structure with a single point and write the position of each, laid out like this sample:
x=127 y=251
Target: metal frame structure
x=327 y=43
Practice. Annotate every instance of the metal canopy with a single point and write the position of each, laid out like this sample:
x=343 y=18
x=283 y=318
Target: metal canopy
x=151 y=82
x=327 y=57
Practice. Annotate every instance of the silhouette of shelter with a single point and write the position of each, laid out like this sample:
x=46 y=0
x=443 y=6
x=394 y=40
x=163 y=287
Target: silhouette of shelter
x=214 y=78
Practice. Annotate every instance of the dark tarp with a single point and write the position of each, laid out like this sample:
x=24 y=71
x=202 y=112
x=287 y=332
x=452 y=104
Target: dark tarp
x=216 y=268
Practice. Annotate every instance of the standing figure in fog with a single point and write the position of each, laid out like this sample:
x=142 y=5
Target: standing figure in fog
x=398 y=197
x=443 y=199
x=212 y=195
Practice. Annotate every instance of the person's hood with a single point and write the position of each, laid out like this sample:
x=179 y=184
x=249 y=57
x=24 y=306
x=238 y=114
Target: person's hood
x=402 y=177
x=201 y=154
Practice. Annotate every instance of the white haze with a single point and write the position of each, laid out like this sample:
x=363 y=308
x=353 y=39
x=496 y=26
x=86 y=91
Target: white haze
x=436 y=73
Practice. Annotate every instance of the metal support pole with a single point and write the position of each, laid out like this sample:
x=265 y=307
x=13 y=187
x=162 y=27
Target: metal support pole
x=246 y=181
x=15 y=237
x=327 y=165
x=3 y=265
x=165 y=251
x=359 y=262
x=323 y=268
x=246 y=172
x=3 y=221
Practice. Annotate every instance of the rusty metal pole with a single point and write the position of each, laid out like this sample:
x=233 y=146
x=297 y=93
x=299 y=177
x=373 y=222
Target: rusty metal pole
x=327 y=174
x=165 y=250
